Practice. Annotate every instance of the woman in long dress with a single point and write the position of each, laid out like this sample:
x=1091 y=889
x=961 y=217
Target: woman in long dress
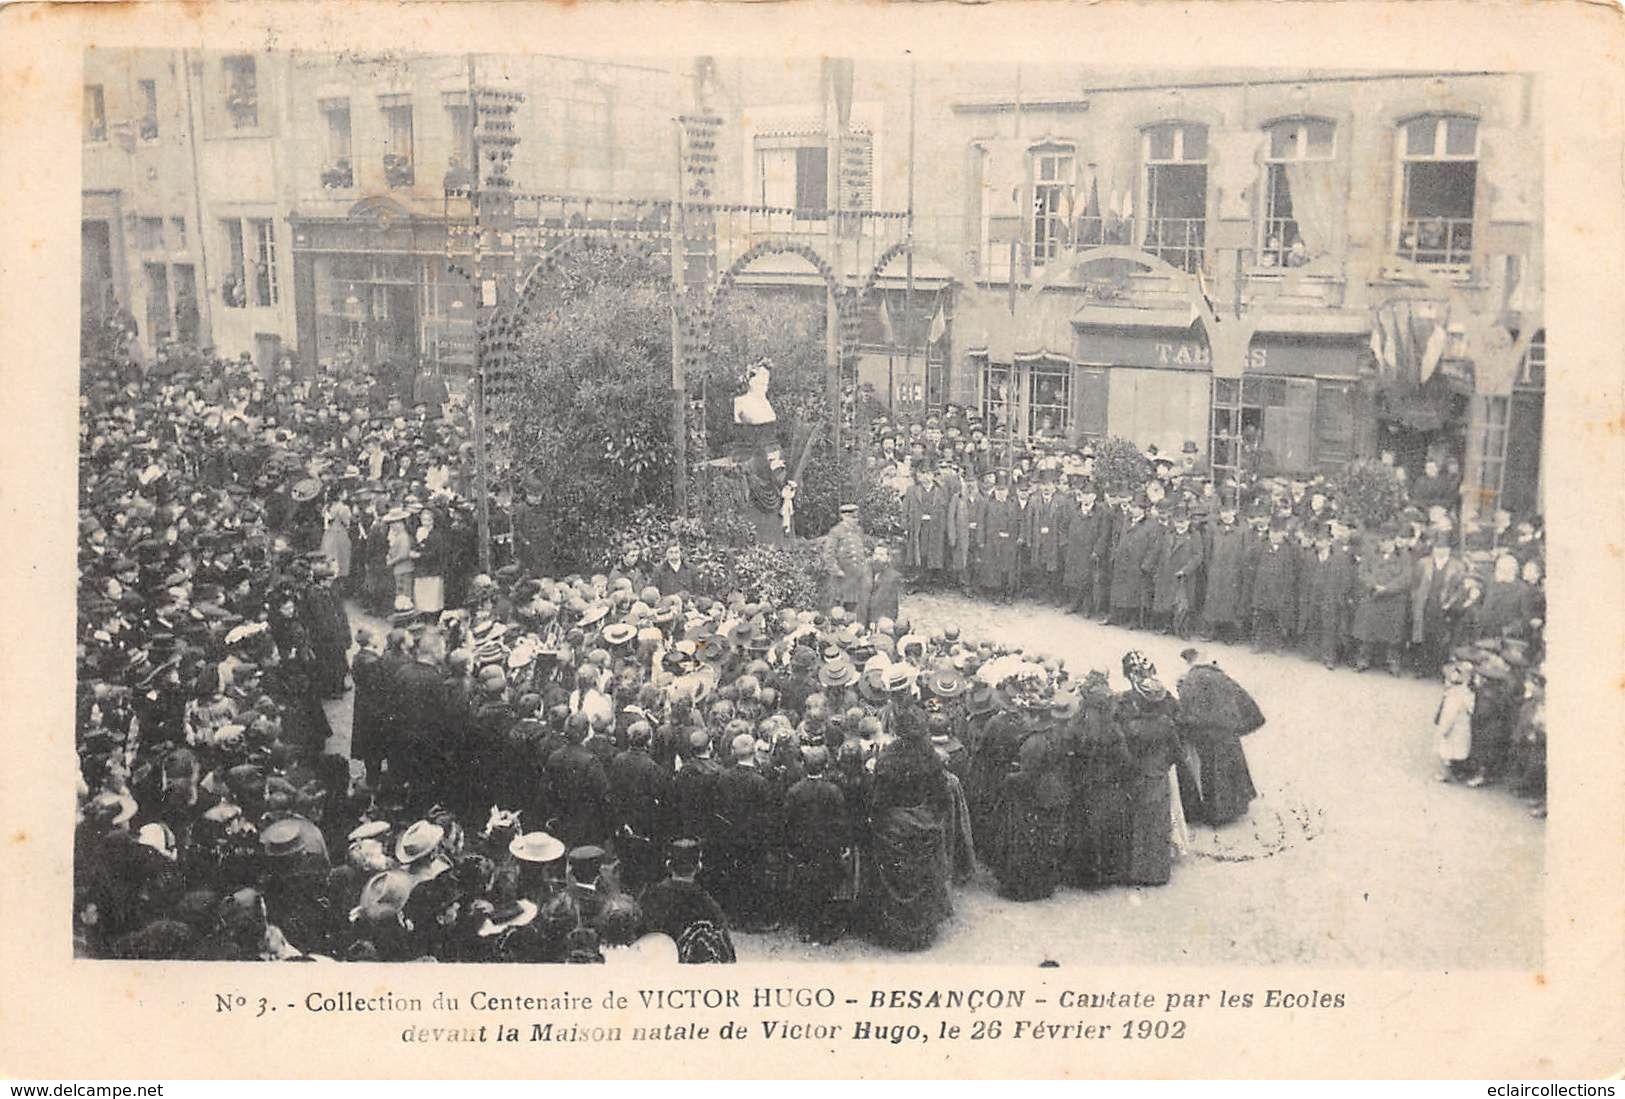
x=336 y=542
x=1215 y=712
x=906 y=875
x=1146 y=712
x=1035 y=804
x=1098 y=816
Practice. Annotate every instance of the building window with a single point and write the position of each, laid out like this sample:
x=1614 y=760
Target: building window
x=1294 y=145
x=1492 y=452
x=158 y=315
x=177 y=234
x=1175 y=158
x=338 y=171
x=1052 y=175
x=242 y=91
x=1438 y=179
x=234 y=283
x=1240 y=408
x=149 y=234
x=397 y=141
x=266 y=289
x=1049 y=401
x=1532 y=371
x=998 y=399
x=149 y=109
x=95 y=113
x=460 y=123
x=792 y=170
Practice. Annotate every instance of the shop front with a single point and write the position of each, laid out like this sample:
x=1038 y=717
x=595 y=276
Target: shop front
x=374 y=290
x=1296 y=409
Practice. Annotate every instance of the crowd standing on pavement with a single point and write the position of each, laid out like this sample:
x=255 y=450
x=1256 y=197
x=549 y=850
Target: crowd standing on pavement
x=599 y=768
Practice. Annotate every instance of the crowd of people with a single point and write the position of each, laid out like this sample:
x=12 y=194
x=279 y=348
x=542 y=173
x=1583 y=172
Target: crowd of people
x=1279 y=561
x=585 y=768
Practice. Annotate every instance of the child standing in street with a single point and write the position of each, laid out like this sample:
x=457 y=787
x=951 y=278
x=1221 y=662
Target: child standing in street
x=1453 y=721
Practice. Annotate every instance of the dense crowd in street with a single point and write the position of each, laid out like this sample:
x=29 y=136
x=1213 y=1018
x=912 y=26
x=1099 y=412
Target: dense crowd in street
x=1277 y=561
x=593 y=768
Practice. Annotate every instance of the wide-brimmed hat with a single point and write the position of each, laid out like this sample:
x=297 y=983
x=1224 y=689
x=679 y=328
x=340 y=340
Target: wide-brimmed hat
x=945 y=683
x=384 y=896
x=418 y=841
x=394 y=515
x=515 y=913
x=307 y=489
x=900 y=677
x=368 y=830
x=872 y=686
x=536 y=847
x=619 y=633
x=292 y=835
x=838 y=673
x=593 y=615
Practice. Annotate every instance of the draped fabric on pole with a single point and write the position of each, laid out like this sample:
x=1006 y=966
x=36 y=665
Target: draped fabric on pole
x=1313 y=186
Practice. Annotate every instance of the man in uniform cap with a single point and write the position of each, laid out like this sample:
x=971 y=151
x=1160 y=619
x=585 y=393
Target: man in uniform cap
x=845 y=562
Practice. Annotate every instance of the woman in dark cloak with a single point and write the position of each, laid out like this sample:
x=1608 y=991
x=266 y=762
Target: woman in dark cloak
x=1146 y=712
x=1215 y=712
x=906 y=875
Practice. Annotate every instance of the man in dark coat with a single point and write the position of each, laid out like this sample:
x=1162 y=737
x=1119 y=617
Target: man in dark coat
x=1178 y=567
x=1379 y=616
x=1045 y=536
x=1086 y=533
x=750 y=825
x=997 y=572
x=1325 y=588
x=680 y=908
x=845 y=563
x=579 y=791
x=673 y=576
x=1129 y=582
x=641 y=808
x=694 y=789
x=368 y=722
x=1274 y=601
x=1222 y=608
x=817 y=835
x=424 y=742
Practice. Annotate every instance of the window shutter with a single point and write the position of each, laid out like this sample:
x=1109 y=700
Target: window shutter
x=1289 y=427
x=1089 y=402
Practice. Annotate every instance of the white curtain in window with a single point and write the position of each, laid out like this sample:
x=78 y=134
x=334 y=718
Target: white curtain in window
x=1233 y=158
x=777 y=169
x=1313 y=185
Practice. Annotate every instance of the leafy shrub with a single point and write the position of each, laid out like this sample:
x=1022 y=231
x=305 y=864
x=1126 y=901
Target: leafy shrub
x=1120 y=467
x=1369 y=492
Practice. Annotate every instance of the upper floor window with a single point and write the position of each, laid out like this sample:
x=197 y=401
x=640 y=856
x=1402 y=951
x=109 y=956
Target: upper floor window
x=177 y=234
x=585 y=137
x=149 y=234
x=1175 y=158
x=1299 y=192
x=792 y=170
x=149 y=109
x=242 y=91
x=1052 y=177
x=1437 y=184
x=338 y=170
x=95 y=113
x=460 y=121
x=397 y=111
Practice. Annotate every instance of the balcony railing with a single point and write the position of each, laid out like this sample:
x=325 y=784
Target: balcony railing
x=397 y=170
x=1176 y=241
x=1436 y=242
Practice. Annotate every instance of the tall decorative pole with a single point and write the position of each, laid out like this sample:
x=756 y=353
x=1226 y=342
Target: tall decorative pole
x=679 y=377
x=482 y=493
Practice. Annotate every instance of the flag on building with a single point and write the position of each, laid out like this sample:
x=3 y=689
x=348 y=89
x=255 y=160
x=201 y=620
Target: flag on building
x=939 y=327
x=887 y=331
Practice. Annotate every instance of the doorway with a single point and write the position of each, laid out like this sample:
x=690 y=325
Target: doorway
x=158 y=322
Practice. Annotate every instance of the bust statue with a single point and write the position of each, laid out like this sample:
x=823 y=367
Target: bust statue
x=752 y=407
